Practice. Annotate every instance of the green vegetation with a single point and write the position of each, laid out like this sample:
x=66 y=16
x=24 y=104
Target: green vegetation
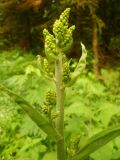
x=55 y=92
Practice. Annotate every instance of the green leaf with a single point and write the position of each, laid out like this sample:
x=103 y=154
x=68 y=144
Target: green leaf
x=97 y=141
x=31 y=69
x=80 y=66
x=107 y=111
x=104 y=153
x=35 y=115
x=116 y=155
x=50 y=156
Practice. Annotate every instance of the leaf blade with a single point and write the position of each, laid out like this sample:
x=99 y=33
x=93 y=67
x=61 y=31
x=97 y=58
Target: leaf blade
x=97 y=141
x=35 y=115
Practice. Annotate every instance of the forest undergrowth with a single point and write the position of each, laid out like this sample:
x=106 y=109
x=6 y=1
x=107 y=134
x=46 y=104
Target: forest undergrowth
x=91 y=104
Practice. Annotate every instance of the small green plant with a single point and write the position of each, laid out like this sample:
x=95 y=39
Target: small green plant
x=56 y=68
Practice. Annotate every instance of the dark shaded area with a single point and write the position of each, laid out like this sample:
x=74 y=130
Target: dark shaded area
x=109 y=12
x=22 y=23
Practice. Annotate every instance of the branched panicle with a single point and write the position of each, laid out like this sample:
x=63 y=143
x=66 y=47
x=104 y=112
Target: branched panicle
x=61 y=41
x=62 y=36
x=62 y=33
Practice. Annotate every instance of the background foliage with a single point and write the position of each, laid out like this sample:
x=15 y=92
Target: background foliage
x=91 y=104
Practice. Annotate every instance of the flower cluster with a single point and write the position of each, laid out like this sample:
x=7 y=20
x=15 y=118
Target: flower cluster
x=45 y=67
x=48 y=70
x=62 y=33
x=63 y=36
x=58 y=44
x=66 y=73
x=49 y=102
x=51 y=97
x=50 y=46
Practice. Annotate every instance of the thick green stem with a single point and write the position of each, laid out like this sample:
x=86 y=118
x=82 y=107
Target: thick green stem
x=60 y=107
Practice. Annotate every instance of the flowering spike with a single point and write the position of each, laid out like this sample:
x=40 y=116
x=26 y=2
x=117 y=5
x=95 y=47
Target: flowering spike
x=50 y=46
x=63 y=34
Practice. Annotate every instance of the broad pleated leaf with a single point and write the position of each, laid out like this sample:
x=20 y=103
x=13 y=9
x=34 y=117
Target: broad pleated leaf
x=97 y=141
x=35 y=115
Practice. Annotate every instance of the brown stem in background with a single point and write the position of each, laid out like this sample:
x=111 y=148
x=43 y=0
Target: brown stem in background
x=95 y=49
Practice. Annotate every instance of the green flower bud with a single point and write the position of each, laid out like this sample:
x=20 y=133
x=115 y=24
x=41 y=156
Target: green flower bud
x=70 y=151
x=64 y=16
x=50 y=46
x=55 y=115
x=47 y=68
x=62 y=33
x=46 y=109
x=66 y=73
x=51 y=97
